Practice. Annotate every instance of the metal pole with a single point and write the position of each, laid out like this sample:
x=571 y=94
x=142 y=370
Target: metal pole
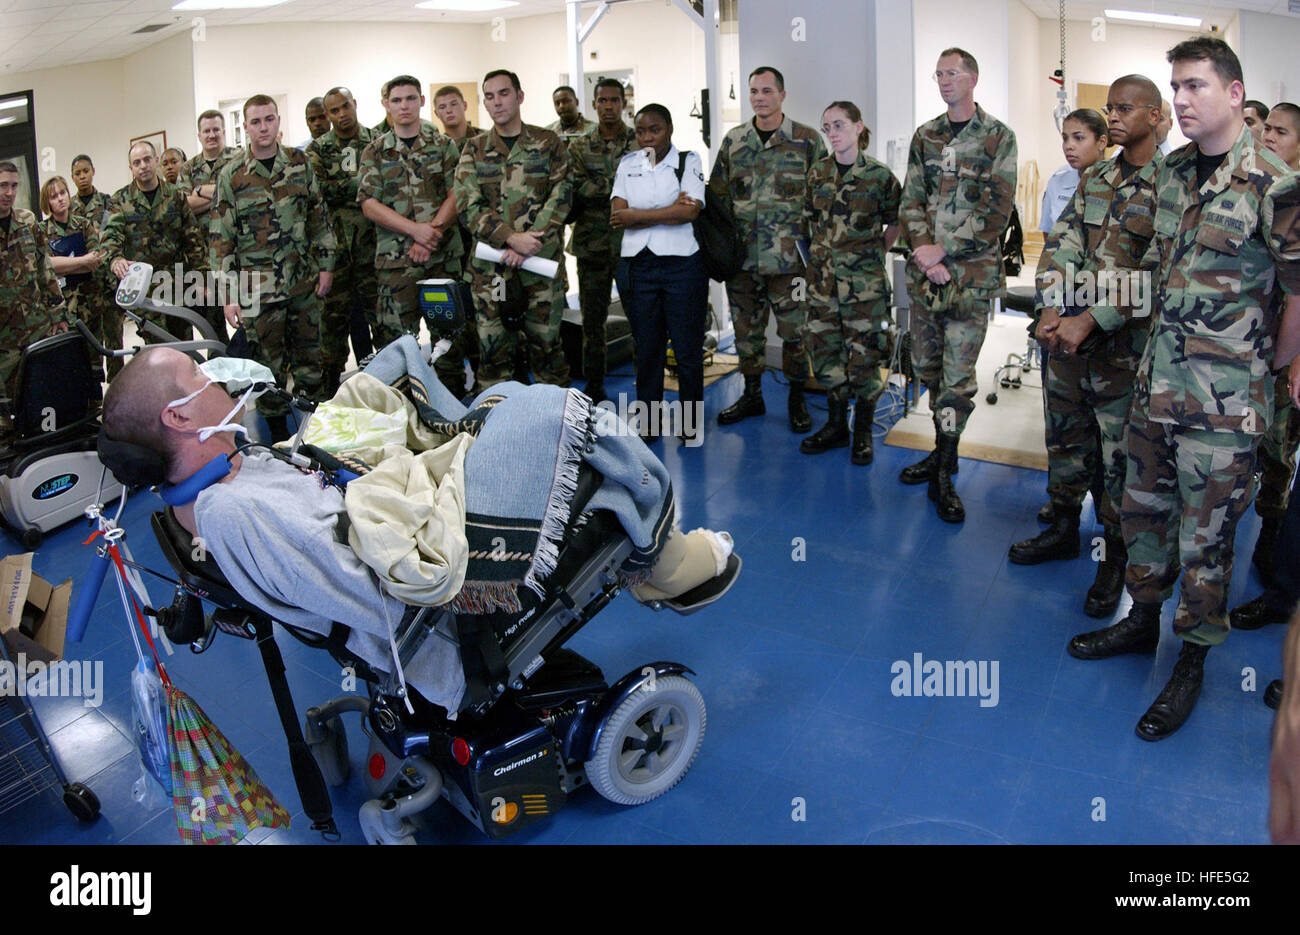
x=573 y=14
x=711 y=27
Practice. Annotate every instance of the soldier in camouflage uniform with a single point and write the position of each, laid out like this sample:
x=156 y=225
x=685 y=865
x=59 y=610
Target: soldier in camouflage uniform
x=513 y=189
x=957 y=200
x=150 y=222
x=269 y=221
x=74 y=255
x=31 y=305
x=88 y=201
x=405 y=188
x=1227 y=227
x=198 y=175
x=198 y=180
x=449 y=105
x=762 y=170
x=1277 y=452
x=571 y=124
x=593 y=160
x=336 y=158
x=852 y=217
x=1084 y=275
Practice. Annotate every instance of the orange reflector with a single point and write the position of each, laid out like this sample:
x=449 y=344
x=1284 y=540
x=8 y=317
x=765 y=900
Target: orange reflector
x=504 y=814
x=377 y=766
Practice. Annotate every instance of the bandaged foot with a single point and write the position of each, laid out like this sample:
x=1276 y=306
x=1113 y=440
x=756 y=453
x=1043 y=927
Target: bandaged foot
x=687 y=561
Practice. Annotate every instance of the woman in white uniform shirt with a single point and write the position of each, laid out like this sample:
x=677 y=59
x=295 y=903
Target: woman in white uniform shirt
x=1083 y=140
x=657 y=193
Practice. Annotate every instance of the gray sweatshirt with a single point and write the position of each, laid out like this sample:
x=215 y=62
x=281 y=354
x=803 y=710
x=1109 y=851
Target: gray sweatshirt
x=280 y=538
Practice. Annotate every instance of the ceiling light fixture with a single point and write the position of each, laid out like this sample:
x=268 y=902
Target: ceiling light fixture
x=1164 y=19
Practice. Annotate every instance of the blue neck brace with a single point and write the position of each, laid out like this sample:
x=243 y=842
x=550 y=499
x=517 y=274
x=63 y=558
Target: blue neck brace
x=187 y=491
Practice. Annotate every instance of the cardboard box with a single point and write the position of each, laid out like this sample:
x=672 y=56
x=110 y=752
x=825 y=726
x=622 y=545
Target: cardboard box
x=33 y=613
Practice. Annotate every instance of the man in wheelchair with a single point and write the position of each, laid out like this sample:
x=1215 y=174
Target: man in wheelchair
x=280 y=534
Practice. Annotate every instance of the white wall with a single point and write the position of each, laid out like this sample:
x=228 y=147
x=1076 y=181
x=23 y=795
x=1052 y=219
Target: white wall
x=894 y=98
x=1094 y=58
x=79 y=109
x=1269 y=60
x=656 y=40
x=980 y=27
x=1026 y=76
x=818 y=47
x=158 y=92
x=304 y=60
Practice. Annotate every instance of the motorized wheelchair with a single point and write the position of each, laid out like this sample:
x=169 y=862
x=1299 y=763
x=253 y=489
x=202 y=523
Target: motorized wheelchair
x=537 y=720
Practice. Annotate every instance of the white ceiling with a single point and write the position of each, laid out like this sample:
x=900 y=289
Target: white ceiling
x=1217 y=14
x=50 y=33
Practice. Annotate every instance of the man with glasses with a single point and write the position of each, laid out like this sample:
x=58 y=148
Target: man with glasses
x=957 y=200
x=1100 y=237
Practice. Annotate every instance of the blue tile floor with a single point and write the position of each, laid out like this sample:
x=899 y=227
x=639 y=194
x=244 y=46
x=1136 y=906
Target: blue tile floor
x=846 y=573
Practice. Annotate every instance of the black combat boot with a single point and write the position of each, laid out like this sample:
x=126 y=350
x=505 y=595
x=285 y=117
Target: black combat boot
x=1103 y=597
x=1059 y=540
x=1258 y=613
x=834 y=434
x=864 y=416
x=749 y=404
x=922 y=472
x=1177 y=699
x=1046 y=512
x=945 y=498
x=1266 y=546
x=1139 y=632
x=800 y=420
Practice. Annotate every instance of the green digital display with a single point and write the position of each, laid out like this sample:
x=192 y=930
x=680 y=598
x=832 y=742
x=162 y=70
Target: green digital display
x=436 y=296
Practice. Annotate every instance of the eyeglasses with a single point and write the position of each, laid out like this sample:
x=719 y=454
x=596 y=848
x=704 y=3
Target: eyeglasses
x=951 y=75
x=1122 y=109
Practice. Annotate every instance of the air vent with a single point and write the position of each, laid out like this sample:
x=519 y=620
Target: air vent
x=153 y=27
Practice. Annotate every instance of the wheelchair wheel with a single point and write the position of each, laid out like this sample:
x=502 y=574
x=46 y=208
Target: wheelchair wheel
x=82 y=802
x=332 y=753
x=649 y=742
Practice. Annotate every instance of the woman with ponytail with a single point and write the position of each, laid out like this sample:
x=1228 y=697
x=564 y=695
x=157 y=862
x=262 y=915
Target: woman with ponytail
x=852 y=209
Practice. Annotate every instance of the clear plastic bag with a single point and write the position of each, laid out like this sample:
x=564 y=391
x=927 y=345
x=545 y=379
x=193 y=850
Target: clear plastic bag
x=149 y=721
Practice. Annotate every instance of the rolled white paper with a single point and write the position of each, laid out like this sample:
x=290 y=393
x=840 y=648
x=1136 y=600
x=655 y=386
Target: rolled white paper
x=534 y=264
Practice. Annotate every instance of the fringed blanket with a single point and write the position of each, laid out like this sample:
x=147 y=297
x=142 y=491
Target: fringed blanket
x=521 y=475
